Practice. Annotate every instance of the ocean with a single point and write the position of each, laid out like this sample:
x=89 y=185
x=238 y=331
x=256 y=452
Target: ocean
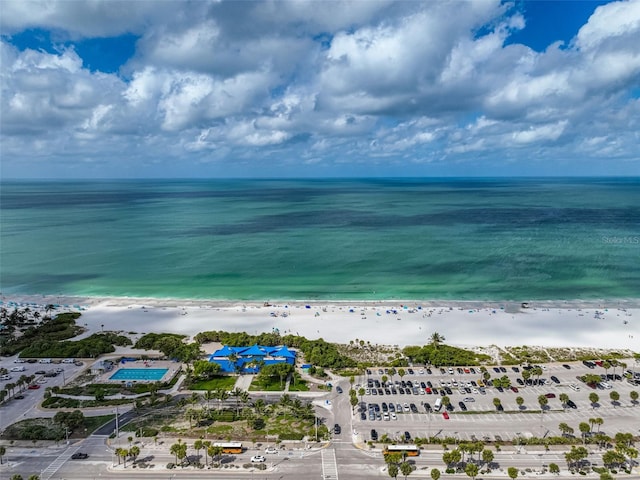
x=331 y=239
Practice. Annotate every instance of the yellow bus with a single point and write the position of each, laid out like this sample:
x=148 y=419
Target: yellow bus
x=405 y=450
x=229 y=447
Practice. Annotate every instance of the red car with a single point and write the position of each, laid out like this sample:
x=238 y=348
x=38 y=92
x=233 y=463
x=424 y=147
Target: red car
x=34 y=386
x=514 y=389
x=445 y=415
x=550 y=395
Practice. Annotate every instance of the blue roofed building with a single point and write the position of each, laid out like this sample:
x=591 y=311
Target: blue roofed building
x=251 y=359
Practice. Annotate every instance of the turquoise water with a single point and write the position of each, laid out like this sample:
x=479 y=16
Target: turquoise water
x=141 y=374
x=484 y=239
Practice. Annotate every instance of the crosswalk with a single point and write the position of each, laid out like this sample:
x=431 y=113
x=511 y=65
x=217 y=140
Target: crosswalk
x=54 y=466
x=329 y=464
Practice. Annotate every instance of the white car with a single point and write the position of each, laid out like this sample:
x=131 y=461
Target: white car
x=469 y=399
x=258 y=459
x=18 y=360
x=17 y=369
x=406 y=407
x=393 y=416
x=574 y=387
x=271 y=450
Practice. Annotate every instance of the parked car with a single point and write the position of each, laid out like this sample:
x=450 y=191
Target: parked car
x=271 y=450
x=550 y=395
x=339 y=389
x=34 y=386
x=258 y=459
x=568 y=367
x=445 y=415
x=374 y=435
x=571 y=404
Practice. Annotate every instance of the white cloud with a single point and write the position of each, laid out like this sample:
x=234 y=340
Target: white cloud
x=403 y=81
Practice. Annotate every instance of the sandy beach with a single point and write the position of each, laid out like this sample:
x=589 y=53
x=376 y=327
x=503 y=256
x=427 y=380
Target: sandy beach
x=613 y=325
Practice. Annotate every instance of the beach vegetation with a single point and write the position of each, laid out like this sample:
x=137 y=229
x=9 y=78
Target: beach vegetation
x=77 y=424
x=172 y=345
x=90 y=347
x=62 y=327
x=443 y=355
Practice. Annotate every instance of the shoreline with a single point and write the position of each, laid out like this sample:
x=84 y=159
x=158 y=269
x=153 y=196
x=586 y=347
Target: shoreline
x=89 y=300
x=571 y=323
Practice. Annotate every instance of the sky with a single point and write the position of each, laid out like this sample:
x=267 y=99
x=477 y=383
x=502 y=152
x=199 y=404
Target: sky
x=168 y=89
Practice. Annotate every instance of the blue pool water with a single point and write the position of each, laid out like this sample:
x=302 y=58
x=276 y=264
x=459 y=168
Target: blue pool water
x=142 y=374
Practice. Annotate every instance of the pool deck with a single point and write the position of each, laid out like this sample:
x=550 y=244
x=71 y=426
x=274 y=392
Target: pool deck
x=172 y=368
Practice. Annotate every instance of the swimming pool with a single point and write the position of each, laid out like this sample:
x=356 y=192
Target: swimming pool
x=141 y=374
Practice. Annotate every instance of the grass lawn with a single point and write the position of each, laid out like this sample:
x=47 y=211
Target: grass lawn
x=267 y=385
x=227 y=383
x=299 y=386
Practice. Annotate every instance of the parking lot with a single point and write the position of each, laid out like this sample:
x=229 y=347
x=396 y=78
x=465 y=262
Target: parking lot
x=27 y=397
x=410 y=404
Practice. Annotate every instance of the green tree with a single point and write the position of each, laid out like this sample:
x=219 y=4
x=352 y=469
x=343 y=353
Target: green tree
x=584 y=430
x=633 y=394
x=401 y=373
x=435 y=474
x=471 y=469
x=565 y=429
x=393 y=470
x=436 y=339
x=520 y=401
x=512 y=472
x=34 y=476
x=406 y=468
x=198 y=445
x=16 y=476
x=615 y=397
x=593 y=398
x=487 y=456
x=554 y=468
x=134 y=452
x=606 y=476
x=543 y=401
x=564 y=399
x=497 y=403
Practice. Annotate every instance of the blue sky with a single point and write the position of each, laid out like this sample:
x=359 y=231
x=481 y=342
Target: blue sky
x=135 y=89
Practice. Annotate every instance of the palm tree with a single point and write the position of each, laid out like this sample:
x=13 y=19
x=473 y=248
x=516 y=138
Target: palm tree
x=198 y=445
x=543 y=401
x=593 y=398
x=406 y=468
x=584 y=430
x=520 y=401
x=436 y=339
x=221 y=394
x=598 y=421
x=564 y=399
x=565 y=429
x=175 y=449
x=633 y=394
x=134 y=452
x=237 y=393
x=208 y=396
x=497 y=402
x=471 y=470
x=614 y=396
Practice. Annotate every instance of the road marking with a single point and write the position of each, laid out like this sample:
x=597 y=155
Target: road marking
x=329 y=464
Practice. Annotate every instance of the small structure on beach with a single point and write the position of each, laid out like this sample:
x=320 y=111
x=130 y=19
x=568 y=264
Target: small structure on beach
x=251 y=359
x=101 y=366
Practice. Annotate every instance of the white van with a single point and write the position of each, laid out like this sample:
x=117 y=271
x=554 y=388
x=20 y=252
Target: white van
x=44 y=360
x=437 y=405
